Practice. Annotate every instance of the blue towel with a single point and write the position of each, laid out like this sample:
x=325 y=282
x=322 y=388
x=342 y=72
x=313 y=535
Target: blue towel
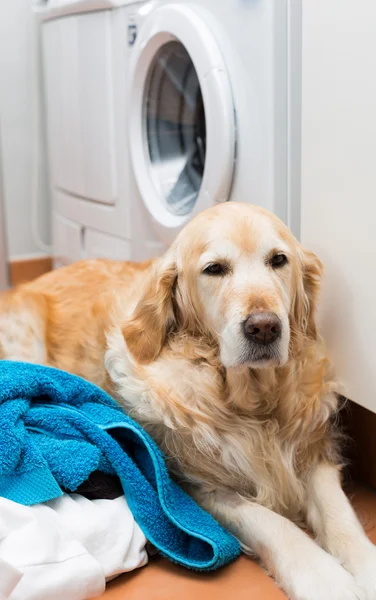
x=56 y=429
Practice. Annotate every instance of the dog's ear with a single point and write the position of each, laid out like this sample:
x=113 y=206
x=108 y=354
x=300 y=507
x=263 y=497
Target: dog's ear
x=307 y=292
x=153 y=316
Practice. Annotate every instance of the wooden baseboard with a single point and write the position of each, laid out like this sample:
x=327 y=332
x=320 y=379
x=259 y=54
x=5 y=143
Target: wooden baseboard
x=21 y=271
x=360 y=424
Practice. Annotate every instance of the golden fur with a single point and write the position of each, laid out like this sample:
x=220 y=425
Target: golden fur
x=164 y=340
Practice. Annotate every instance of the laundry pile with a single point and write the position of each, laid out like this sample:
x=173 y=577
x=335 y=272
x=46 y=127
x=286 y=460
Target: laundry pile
x=83 y=488
x=66 y=548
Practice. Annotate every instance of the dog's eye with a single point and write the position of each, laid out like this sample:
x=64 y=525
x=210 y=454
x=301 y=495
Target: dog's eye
x=215 y=269
x=278 y=260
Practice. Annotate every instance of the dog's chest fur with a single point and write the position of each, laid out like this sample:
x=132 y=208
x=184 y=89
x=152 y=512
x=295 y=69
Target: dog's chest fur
x=258 y=433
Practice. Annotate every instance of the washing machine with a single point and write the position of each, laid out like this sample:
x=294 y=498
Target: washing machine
x=214 y=113
x=158 y=109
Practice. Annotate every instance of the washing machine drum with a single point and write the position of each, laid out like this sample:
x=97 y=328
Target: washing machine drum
x=175 y=128
x=182 y=127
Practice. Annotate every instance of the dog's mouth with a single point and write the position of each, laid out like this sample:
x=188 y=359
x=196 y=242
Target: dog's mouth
x=261 y=356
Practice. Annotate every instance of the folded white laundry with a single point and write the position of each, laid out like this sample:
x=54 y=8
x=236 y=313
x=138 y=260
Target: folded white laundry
x=106 y=528
x=9 y=577
x=66 y=548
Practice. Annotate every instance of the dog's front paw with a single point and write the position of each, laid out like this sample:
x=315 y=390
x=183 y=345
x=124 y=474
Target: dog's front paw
x=365 y=572
x=324 y=579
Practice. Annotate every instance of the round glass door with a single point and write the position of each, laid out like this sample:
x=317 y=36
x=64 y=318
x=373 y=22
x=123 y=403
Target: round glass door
x=175 y=128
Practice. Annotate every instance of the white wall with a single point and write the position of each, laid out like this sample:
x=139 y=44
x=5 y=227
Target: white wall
x=3 y=250
x=19 y=71
x=339 y=179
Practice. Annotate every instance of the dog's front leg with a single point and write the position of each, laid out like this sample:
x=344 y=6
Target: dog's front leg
x=338 y=530
x=300 y=567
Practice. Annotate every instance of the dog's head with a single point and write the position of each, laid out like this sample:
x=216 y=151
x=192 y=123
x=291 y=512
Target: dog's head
x=237 y=275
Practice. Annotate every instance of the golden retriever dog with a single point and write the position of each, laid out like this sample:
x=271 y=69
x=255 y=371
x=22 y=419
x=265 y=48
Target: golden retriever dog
x=213 y=348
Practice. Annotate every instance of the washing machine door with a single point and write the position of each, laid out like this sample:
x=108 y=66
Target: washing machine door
x=182 y=118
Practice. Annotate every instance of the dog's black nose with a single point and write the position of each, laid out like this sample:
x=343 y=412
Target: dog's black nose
x=262 y=327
